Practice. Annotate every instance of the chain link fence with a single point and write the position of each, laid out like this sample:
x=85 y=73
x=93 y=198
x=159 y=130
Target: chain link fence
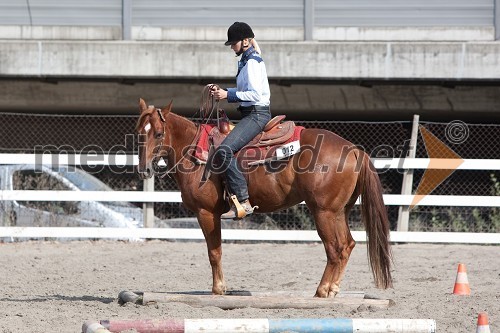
x=34 y=133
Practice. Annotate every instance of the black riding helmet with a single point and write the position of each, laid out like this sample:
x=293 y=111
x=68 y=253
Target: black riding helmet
x=238 y=31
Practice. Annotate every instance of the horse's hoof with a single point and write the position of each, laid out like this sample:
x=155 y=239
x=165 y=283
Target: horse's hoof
x=334 y=291
x=219 y=291
x=321 y=295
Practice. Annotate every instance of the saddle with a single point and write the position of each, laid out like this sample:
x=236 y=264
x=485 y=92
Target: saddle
x=260 y=149
x=274 y=133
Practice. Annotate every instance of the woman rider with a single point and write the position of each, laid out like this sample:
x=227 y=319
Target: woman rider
x=253 y=95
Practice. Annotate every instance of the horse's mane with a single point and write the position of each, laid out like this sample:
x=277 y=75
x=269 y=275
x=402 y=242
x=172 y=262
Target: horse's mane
x=143 y=119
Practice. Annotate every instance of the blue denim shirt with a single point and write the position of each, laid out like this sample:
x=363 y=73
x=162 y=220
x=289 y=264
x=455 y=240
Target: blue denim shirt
x=252 y=86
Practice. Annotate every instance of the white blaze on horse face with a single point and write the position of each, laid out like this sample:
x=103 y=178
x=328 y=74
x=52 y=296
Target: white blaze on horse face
x=147 y=128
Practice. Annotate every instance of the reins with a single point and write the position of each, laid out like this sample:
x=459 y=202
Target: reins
x=209 y=104
x=195 y=139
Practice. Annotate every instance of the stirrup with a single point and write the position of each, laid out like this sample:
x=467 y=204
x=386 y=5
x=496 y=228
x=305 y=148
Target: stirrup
x=237 y=210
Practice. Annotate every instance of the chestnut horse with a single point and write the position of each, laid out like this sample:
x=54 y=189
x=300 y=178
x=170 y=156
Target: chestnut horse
x=341 y=173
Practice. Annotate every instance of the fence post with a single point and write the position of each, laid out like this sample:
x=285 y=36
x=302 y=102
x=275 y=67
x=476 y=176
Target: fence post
x=148 y=207
x=126 y=19
x=308 y=19
x=404 y=211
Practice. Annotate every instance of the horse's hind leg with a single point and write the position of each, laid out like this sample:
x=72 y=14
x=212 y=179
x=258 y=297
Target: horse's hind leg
x=337 y=240
x=210 y=225
x=335 y=286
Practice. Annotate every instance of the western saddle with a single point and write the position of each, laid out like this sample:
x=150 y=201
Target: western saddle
x=275 y=132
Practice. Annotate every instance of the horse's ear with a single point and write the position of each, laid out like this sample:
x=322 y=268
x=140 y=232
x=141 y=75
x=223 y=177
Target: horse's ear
x=168 y=108
x=142 y=105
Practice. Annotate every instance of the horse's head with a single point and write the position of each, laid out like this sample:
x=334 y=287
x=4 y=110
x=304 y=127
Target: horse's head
x=153 y=139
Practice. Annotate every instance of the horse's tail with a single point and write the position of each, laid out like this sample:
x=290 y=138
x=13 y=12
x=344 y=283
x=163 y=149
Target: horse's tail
x=374 y=216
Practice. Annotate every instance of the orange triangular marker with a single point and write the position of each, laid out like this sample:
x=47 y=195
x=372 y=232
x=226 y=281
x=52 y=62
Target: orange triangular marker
x=443 y=162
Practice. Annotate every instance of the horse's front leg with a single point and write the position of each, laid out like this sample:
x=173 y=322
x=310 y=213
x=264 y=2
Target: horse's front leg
x=211 y=227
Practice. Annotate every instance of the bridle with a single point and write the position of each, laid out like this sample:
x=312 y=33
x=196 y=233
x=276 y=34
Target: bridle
x=158 y=110
x=158 y=146
x=208 y=106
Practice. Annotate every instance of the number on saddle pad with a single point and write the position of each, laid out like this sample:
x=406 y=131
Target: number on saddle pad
x=287 y=150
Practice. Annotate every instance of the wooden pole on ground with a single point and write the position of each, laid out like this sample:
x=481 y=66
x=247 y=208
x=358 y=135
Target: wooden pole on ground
x=260 y=302
x=93 y=327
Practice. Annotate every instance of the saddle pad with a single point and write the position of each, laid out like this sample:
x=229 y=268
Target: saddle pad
x=251 y=155
x=201 y=151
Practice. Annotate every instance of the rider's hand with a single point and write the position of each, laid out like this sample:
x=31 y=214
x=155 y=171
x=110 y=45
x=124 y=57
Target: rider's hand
x=213 y=87
x=218 y=93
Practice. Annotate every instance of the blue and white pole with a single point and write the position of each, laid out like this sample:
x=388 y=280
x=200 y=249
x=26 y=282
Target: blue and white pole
x=333 y=325
x=310 y=325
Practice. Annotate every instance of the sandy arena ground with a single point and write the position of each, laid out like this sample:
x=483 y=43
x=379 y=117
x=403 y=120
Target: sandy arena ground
x=55 y=287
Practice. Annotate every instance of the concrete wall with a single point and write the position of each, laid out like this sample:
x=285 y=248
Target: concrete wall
x=310 y=80
x=205 y=60
x=276 y=20
x=384 y=59
x=264 y=33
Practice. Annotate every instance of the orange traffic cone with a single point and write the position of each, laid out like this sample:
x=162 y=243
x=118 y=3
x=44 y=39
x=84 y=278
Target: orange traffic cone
x=482 y=323
x=461 y=283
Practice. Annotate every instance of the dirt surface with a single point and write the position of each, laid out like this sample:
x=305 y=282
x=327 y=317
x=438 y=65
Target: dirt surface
x=55 y=287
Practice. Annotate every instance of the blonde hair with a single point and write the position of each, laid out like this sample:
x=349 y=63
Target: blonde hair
x=255 y=45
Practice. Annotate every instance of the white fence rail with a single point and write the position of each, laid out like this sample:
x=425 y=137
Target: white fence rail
x=122 y=160
x=171 y=196
x=269 y=235
x=239 y=234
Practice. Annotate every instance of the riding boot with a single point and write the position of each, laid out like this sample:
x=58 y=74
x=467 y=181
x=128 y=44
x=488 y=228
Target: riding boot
x=237 y=210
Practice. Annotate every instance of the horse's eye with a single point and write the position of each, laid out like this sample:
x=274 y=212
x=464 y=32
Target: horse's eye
x=158 y=135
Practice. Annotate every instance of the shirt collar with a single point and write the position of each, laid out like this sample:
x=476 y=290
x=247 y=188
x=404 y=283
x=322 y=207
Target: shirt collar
x=244 y=58
x=247 y=54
